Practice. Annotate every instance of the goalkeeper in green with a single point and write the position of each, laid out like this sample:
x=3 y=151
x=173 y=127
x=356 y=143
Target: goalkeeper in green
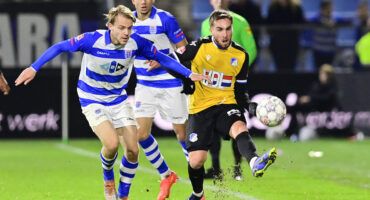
x=242 y=34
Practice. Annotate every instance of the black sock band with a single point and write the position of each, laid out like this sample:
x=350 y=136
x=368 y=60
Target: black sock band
x=246 y=146
x=196 y=177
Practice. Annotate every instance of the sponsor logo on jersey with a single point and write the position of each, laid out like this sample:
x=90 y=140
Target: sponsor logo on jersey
x=152 y=29
x=218 y=79
x=112 y=67
x=120 y=67
x=102 y=53
x=234 y=112
x=128 y=53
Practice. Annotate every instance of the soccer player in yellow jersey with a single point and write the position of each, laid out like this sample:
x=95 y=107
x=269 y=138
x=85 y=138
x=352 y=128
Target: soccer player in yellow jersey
x=215 y=106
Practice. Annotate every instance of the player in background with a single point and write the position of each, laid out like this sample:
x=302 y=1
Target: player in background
x=105 y=70
x=242 y=34
x=214 y=107
x=4 y=87
x=157 y=90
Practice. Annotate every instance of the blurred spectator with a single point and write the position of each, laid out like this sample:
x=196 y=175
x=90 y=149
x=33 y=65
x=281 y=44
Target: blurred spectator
x=284 y=40
x=325 y=34
x=322 y=96
x=362 y=22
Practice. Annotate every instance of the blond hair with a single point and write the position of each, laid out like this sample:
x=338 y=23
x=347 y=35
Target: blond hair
x=118 y=10
x=326 y=68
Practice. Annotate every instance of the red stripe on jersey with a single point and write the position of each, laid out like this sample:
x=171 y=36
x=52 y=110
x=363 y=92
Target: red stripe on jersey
x=227 y=77
x=179 y=34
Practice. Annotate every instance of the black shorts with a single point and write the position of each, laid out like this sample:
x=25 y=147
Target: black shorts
x=203 y=126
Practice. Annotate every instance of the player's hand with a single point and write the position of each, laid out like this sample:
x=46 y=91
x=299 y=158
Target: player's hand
x=152 y=65
x=199 y=77
x=4 y=87
x=26 y=76
x=252 y=107
x=188 y=86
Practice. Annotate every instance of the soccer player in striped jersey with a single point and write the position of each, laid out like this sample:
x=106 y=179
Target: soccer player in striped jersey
x=4 y=87
x=157 y=90
x=105 y=70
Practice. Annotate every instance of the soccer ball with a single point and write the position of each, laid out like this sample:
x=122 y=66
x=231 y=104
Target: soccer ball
x=271 y=111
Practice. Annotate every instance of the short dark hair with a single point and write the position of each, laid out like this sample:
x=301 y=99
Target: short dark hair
x=219 y=14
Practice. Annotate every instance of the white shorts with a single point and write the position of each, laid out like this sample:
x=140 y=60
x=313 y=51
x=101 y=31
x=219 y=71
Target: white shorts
x=170 y=102
x=119 y=115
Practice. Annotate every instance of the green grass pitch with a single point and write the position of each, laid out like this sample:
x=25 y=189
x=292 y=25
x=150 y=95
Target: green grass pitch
x=51 y=170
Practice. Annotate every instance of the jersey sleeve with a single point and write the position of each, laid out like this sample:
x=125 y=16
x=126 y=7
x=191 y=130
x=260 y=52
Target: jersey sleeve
x=240 y=88
x=189 y=52
x=147 y=49
x=78 y=43
x=246 y=38
x=205 y=29
x=173 y=30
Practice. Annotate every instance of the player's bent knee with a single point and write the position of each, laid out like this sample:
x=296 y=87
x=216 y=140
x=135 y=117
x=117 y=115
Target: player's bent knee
x=196 y=164
x=142 y=134
x=237 y=128
x=197 y=161
x=111 y=147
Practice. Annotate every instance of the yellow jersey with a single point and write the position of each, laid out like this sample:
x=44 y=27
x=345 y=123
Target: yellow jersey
x=223 y=66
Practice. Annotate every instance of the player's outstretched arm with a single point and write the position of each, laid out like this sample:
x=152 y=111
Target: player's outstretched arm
x=26 y=76
x=172 y=64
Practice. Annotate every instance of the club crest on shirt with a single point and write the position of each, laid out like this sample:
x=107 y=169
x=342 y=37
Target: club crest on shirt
x=208 y=57
x=128 y=53
x=193 y=137
x=152 y=29
x=234 y=62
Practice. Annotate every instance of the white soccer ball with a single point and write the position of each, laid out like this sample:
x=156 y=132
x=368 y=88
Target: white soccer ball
x=271 y=111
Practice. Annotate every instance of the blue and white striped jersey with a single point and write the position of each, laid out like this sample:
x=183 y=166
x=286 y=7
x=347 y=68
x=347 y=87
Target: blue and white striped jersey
x=105 y=67
x=162 y=29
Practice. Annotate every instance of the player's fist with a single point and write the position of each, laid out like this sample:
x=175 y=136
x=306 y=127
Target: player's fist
x=26 y=76
x=252 y=106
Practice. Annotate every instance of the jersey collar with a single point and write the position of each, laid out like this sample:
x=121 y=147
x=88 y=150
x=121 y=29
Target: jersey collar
x=152 y=13
x=218 y=46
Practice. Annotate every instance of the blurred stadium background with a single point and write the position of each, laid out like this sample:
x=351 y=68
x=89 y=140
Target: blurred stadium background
x=35 y=164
